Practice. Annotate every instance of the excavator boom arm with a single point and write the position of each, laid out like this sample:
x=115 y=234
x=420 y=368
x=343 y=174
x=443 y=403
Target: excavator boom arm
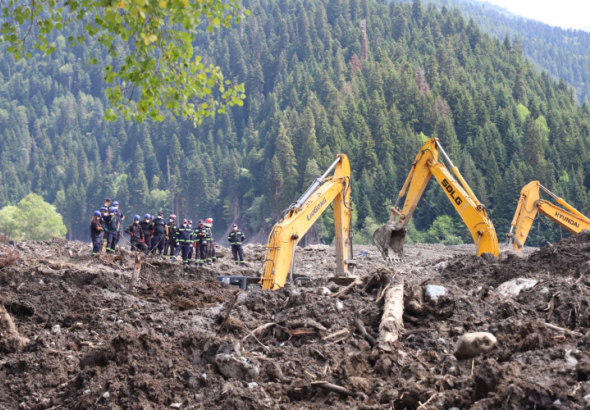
x=389 y=238
x=530 y=204
x=283 y=239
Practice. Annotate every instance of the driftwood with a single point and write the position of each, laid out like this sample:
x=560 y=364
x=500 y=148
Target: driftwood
x=561 y=329
x=136 y=272
x=335 y=388
x=393 y=309
x=356 y=282
x=233 y=303
x=338 y=333
x=258 y=329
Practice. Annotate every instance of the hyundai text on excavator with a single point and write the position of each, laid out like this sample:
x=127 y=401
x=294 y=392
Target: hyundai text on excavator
x=390 y=238
x=279 y=257
x=530 y=205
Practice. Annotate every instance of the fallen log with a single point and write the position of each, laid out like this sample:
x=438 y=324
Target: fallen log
x=393 y=309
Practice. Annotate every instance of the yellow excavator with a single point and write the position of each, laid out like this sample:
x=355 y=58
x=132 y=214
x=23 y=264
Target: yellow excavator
x=530 y=205
x=390 y=238
x=279 y=259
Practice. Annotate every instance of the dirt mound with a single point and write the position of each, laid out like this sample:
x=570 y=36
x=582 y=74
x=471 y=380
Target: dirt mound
x=90 y=343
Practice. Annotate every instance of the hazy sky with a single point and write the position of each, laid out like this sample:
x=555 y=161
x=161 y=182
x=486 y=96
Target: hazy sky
x=563 y=13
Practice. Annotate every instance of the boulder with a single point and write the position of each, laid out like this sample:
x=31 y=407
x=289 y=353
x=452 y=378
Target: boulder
x=471 y=345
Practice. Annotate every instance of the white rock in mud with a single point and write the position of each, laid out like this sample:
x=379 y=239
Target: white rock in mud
x=433 y=292
x=473 y=344
x=56 y=330
x=325 y=291
x=513 y=287
x=570 y=359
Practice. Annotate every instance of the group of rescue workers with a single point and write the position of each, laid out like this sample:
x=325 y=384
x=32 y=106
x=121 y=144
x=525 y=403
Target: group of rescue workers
x=156 y=236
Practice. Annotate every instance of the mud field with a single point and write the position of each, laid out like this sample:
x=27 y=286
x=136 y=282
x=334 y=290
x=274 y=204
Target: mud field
x=82 y=340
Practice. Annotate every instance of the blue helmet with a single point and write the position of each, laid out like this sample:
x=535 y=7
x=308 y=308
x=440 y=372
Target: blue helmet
x=136 y=217
x=103 y=209
x=147 y=216
x=96 y=213
x=116 y=203
x=113 y=209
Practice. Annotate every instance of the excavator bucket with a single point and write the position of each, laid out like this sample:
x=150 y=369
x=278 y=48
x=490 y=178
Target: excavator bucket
x=389 y=239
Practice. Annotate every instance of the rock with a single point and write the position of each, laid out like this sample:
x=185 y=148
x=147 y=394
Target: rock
x=106 y=395
x=339 y=305
x=433 y=292
x=473 y=344
x=232 y=367
x=252 y=385
x=56 y=330
x=324 y=291
x=175 y=405
x=513 y=287
x=570 y=359
x=586 y=402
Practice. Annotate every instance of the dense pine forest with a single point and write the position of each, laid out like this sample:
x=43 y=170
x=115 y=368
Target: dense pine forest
x=562 y=52
x=429 y=72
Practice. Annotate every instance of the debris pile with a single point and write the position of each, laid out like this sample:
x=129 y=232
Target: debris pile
x=443 y=330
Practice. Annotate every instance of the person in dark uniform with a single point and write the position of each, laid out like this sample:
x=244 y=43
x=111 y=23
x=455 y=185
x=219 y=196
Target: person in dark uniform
x=200 y=235
x=111 y=230
x=146 y=225
x=184 y=241
x=137 y=236
x=236 y=238
x=103 y=212
x=171 y=238
x=192 y=247
x=96 y=232
x=160 y=230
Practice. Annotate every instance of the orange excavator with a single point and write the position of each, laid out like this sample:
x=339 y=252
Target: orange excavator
x=530 y=205
x=390 y=238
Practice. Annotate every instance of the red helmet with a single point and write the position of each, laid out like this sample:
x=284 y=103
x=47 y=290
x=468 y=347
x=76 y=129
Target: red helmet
x=172 y=216
x=208 y=221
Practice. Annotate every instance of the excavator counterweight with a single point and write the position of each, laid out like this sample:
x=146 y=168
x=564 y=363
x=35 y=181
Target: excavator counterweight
x=390 y=238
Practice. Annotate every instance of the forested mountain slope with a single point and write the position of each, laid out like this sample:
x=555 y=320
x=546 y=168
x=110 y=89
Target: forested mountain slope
x=311 y=95
x=565 y=53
